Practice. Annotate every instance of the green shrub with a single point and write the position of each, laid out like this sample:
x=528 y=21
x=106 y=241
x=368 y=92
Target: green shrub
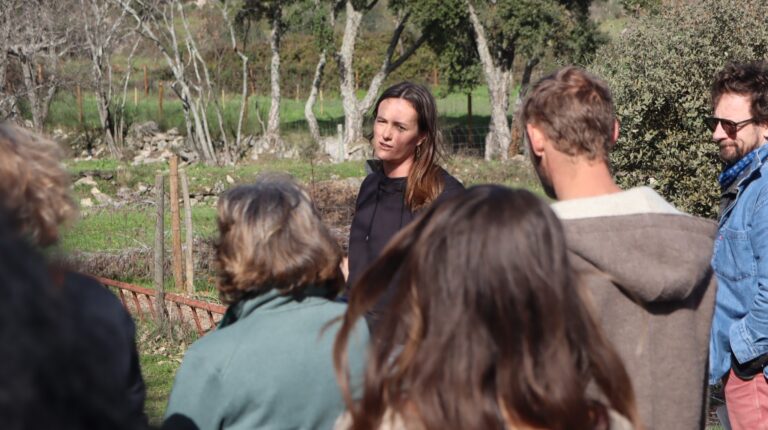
x=660 y=71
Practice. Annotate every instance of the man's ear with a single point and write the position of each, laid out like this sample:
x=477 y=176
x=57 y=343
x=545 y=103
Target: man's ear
x=536 y=139
x=615 y=136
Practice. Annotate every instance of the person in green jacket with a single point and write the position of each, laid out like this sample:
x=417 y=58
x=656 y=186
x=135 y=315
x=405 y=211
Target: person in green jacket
x=269 y=363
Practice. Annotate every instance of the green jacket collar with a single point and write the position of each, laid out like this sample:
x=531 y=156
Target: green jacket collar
x=272 y=300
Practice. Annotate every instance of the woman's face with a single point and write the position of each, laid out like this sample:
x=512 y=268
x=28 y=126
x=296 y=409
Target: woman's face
x=396 y=135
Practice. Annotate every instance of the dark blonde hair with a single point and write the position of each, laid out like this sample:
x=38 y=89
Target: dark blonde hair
x=486 y=328
x=425 y=181
x=271 y=237
x=574 y=109
x=34 y=186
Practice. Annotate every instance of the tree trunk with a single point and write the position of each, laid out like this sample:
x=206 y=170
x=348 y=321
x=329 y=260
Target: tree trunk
x=515 y=130
x=31 y=88
x=498 y=138
x=314 y=129
x=106 y=121
x=273 y=122
x=7 y=99
x=353 y=128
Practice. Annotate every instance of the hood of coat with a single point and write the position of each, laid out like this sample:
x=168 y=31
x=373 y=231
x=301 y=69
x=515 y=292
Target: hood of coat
x=651 y=251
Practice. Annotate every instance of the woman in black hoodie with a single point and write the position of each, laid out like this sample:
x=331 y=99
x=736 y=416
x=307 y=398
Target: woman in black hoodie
x=407 y=177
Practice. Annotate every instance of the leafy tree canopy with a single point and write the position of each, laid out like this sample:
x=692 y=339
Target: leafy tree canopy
x=660 y=72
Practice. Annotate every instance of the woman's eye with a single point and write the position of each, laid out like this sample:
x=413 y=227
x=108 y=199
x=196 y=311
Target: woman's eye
x=401 y=128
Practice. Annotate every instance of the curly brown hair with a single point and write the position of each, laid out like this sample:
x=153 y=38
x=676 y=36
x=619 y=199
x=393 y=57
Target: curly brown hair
x=34 y=185
x=746 y=79
x=271 y=237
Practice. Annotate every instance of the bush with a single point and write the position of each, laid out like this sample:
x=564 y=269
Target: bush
x=660 y=71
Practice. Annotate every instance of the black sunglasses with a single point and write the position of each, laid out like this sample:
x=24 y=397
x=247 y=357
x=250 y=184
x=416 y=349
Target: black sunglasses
x=729 y=127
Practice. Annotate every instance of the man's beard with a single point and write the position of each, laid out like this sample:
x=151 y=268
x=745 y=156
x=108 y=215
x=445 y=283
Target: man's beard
x=543 y=175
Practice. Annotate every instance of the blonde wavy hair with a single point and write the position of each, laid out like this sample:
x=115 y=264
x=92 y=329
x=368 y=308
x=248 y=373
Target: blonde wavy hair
x=271 y=237
x=34 y=186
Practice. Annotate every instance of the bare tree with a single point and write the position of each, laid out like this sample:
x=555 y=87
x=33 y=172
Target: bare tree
x=40 y=34
x=275 y=37
x=8 y=98
x=274 y=12
x=355 y=109
x=155 y=20
x=324 y=35
x=103 y=27
x=225 y=12
x=498 y=77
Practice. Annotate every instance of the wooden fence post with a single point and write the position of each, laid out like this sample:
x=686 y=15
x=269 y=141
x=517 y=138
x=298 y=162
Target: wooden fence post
x=188 y=259
x=159 y=252
x=178 y=278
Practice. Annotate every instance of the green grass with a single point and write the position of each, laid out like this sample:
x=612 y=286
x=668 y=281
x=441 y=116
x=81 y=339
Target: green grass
x=132 y=226
x=63 y=112
x=116 y=229
x=158 y=371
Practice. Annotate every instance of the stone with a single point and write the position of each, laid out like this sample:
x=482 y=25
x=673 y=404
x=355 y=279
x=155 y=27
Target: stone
x=139 y=131
x=86 y=203
x=100 y=197
x=86 y=181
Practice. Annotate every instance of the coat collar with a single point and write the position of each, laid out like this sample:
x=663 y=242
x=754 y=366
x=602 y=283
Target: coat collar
x=271 y=300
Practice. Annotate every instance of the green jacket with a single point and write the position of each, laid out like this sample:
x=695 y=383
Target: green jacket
x=267 y=366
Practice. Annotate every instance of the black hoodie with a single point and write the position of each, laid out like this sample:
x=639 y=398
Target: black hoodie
x=380 y=212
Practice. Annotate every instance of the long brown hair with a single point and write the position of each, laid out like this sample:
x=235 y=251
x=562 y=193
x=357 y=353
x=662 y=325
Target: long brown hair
x=425 y=181
x=486 y=329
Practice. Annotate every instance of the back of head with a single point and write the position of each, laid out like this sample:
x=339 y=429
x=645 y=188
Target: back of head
x=486 y=328
x=48 y=370
x=271 y=237
x=34 y=186
x=745 y=79
x=575 y=111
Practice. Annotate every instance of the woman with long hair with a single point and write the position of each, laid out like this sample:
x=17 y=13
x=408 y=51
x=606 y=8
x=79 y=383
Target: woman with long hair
x=407 y=177
x=268 y=364
x=487 y=328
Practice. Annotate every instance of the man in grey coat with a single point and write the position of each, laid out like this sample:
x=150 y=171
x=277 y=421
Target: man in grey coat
x=645 y=264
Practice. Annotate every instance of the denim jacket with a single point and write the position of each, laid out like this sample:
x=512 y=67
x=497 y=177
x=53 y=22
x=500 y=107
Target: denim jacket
x=740 y=324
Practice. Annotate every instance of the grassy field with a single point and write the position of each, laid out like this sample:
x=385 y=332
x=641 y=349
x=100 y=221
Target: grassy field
x=63 y=112
x=116 y=227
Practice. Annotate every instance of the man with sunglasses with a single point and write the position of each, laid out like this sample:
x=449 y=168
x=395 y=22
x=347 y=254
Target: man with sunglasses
x=739 y=342
x=646 y=265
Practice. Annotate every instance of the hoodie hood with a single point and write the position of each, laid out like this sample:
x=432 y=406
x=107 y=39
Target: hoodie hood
x=651 y=251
